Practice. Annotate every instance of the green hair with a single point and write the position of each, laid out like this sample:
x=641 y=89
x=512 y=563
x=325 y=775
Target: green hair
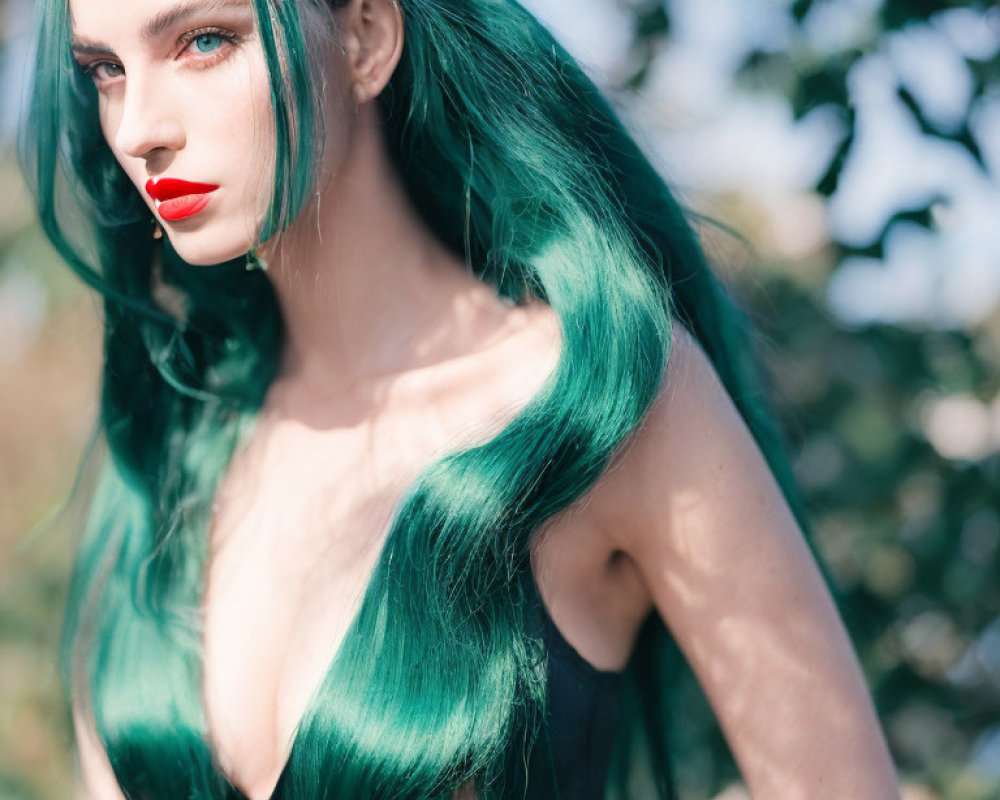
x=439 y=679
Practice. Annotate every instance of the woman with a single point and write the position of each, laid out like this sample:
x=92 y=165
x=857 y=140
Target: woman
x=409 y=510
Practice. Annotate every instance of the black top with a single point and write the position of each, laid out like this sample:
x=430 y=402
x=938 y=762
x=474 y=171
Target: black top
x=582 y=721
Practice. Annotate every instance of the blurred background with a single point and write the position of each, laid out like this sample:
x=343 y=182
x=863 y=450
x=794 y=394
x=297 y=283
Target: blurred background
x=842 y=158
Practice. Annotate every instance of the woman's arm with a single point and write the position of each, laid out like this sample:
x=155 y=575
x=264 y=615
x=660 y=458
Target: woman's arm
x=729 y=572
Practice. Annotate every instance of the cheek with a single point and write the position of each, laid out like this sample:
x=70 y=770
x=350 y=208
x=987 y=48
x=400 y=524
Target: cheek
x=246 y=123
x=259 y=120
x=109 y=114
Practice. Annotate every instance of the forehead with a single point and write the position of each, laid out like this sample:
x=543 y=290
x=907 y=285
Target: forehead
x=98 y=21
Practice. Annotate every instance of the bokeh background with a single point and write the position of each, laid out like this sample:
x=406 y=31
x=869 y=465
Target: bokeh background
x=841 y=161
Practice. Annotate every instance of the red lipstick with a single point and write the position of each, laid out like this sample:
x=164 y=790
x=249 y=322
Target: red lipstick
x=178 y=199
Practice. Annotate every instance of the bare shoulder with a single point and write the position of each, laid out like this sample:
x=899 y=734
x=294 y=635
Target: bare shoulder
x=693 y=496
x=691 y=441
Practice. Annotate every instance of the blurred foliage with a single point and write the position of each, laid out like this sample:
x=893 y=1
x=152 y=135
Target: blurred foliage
x=49 y=340
x=912 y=536
x=911 y=531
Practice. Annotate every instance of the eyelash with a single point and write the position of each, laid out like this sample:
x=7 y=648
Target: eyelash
x=229 y=39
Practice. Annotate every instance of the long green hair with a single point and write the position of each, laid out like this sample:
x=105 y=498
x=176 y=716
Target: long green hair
x=522 y=169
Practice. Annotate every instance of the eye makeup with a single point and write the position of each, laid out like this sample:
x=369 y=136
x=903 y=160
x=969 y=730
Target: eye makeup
x=208 y=46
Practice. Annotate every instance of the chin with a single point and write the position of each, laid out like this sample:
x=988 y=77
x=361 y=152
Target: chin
x=208 y=256
x=207 y=247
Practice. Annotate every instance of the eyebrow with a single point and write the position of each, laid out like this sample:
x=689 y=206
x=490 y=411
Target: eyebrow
x=155 y=26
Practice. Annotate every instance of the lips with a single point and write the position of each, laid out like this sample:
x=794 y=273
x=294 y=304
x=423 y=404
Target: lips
x=177 y=199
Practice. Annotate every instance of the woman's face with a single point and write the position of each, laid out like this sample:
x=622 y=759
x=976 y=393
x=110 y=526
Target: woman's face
x=185 y=107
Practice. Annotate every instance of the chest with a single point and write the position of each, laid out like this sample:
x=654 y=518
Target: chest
x=276 y=612
x=300 y=522
x=274 y=620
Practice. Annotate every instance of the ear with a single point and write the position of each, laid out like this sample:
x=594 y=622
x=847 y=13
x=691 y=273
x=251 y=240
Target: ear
x=373 y=40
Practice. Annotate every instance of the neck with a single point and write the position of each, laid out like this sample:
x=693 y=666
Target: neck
x=365 y=288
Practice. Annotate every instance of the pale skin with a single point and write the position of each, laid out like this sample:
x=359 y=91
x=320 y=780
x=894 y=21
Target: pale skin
x=396 y=355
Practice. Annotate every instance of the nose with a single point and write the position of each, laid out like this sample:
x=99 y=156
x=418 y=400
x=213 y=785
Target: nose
x=149 y=121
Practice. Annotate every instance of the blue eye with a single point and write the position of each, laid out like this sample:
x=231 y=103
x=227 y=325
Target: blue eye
x=207 y=42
